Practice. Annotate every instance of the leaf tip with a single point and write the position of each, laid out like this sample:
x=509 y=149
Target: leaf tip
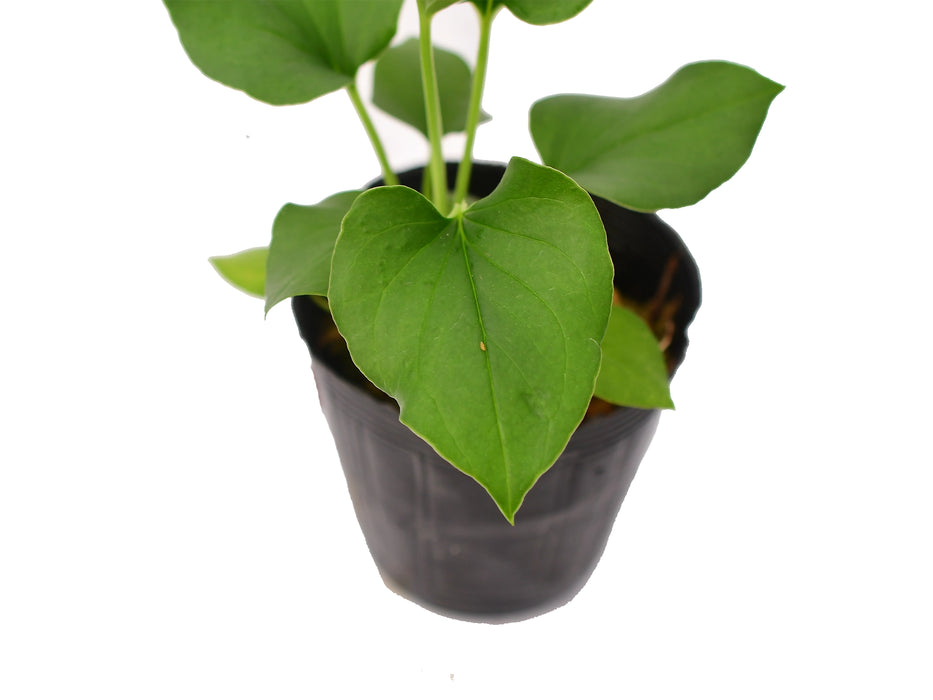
x=244 y=270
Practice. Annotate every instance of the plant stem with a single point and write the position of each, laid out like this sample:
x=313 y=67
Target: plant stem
x=387 y=175
x=432 y=106
x=476 y=98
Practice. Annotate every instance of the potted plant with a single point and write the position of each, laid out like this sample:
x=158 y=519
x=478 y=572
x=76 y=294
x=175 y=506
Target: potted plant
x=500 y=312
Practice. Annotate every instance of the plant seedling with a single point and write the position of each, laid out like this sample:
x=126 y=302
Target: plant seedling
x=487 y=321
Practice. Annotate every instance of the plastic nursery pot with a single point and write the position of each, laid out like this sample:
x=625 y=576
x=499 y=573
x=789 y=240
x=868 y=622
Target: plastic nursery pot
x=435 y=535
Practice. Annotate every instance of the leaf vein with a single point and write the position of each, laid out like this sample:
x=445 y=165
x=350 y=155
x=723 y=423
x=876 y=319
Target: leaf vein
x=464 y=245
x=605 y=151
x=564 y=334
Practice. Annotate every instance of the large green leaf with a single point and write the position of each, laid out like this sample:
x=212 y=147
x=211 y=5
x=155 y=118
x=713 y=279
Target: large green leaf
x=485 y=327
x=537 y=11
x=398 y=90
x=434 y=6
x=284 y=51
x=633 y=372
x=245 y=270
x=668 y=148
x=302 y=245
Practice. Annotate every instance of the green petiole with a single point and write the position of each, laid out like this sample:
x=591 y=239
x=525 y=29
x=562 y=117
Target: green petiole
x=476 y=96
x=387 y=175
x=436 y=166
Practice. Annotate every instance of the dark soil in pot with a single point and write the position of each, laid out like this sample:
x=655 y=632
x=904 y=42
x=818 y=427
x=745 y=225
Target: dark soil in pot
x=434 y=533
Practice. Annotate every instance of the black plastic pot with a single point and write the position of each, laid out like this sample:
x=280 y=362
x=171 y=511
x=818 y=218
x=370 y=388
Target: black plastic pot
x=434 y=533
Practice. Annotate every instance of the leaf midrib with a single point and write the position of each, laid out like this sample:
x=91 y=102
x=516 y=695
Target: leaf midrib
x=312 y=40
x=506 y=460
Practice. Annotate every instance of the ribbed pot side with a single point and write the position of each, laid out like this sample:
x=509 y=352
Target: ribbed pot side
x=434 y=533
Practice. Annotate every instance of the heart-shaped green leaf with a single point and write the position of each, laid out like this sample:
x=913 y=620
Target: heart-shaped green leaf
x=537 y=11
x=284 y=51
x=245 y=270
x=485 y=327
x=398 y=90
x=302 y=246
x=668 y=148
x=633 y=372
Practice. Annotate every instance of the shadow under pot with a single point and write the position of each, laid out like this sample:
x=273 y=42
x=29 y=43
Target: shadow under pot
x=434 y=533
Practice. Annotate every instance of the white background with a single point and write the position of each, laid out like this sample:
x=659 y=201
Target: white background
x=173 y=519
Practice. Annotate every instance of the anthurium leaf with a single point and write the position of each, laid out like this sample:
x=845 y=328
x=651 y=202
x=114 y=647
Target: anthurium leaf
x=633 y=372
x=485 y=326
x=397 y=87
x=245 y=270
x=302 y=245
x=283 y=51
x=434 y=6
x=668 y=148
x=537 y=11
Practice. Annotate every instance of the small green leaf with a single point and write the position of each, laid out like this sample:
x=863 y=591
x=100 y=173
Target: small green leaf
x=397 y=87
x=668 y=148
x=245 y=270
x=485 y=327
x=537 y=11
x=302 y=246
x=633 y=371
x=283 y=51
